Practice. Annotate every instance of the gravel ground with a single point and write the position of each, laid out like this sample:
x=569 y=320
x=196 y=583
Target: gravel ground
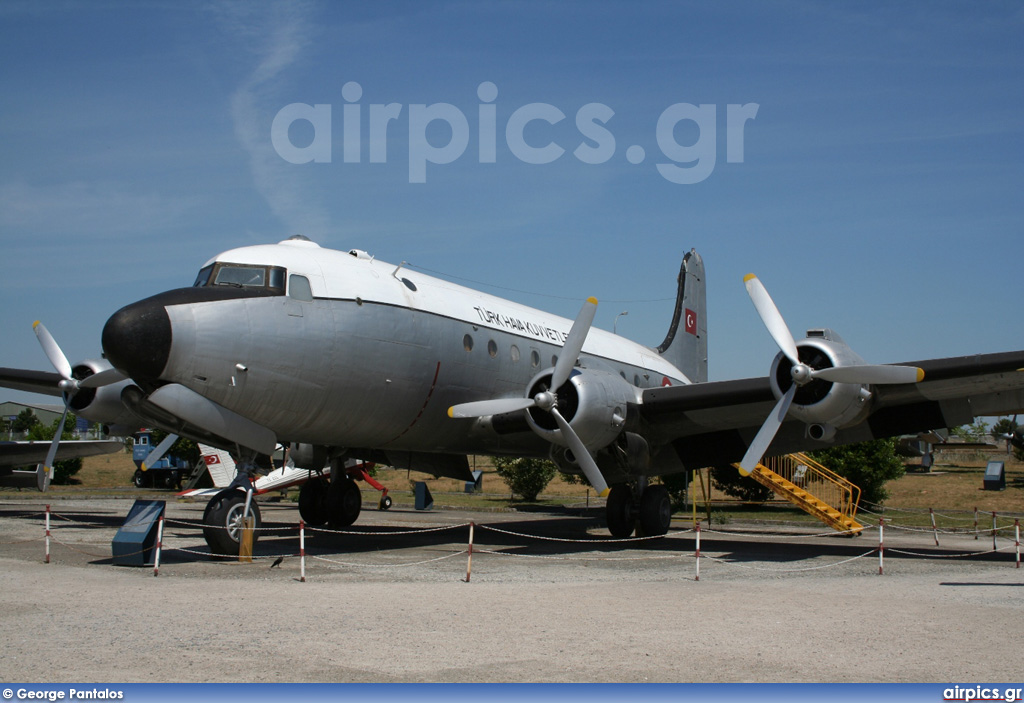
x=393 y=606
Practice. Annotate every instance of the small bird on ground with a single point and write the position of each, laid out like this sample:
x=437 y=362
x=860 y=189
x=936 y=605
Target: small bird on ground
x=277 y=562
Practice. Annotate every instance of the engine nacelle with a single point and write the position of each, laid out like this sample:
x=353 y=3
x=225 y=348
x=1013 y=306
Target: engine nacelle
x=103 y=404
x=822 y=403
x=594 y=403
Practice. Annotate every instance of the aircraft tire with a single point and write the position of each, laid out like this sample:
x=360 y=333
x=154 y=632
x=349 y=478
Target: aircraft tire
x=344 y=502
x=385 y=503
x=313 y=502
x=655 y=511
x=619 y=511
x=222 y=521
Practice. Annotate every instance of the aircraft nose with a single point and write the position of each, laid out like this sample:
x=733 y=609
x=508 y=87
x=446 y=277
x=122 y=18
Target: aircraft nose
x=137 y=339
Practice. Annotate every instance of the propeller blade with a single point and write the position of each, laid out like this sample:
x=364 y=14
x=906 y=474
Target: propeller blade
x=52 y=454
x=771 y=317
x=483 y=408
x=878 y=374
x=52 y=350
x=103 y=378
x=42 y=478
x=574 y=344
x=582 y=454
x=158 y=453
x=766 y=434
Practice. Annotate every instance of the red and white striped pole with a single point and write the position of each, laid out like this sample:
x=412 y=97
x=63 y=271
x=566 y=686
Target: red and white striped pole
x=469 y=559
x=159 y=545
x=47 y=535
x=1016 y=538
x=994 y=531
x=302 y=551
x=975 y=523
x=698 y=553
x=881 y=543
x=935 y=531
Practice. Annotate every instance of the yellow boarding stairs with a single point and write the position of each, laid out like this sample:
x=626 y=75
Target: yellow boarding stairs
x=811 y=487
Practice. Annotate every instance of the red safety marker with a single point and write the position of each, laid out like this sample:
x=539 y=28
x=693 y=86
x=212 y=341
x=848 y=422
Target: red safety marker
x=302 y=551
x=1016 y=538
x=698 y=553
x=881 y=543
x=47 y=535
x=159 y=545
x=469 y=560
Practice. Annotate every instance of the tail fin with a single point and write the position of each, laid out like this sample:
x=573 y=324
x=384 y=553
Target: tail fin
x=220 y=465
x=687 y=348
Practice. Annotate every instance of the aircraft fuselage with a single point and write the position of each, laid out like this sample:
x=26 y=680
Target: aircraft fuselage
x=338 y=349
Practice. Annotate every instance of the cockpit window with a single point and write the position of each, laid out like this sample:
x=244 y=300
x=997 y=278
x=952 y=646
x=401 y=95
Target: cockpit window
x=242 y=276
x=203 y=277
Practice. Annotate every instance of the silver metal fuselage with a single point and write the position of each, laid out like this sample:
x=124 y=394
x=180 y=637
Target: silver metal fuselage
x=378 y=355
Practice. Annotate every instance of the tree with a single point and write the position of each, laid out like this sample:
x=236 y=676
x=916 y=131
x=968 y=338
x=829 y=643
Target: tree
x=730 y=481
x=62 y=470
x=869 y=465
x=25 y=421
x=526 y=476
x=1004 y=428
x=971 y=433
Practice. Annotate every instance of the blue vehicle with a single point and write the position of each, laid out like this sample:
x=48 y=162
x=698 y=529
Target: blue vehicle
x=168 y=472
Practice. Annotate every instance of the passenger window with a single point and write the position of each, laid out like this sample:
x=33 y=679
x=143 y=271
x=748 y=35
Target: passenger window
x=298 y=288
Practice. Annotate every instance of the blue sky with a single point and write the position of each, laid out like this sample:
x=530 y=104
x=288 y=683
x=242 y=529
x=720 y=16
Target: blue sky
x=879 y=191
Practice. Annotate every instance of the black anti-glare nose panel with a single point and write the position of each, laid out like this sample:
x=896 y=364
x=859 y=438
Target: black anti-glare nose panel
x=137 y=339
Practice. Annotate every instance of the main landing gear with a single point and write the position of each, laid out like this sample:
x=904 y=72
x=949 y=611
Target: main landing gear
x=645 y=509
x=338 y=502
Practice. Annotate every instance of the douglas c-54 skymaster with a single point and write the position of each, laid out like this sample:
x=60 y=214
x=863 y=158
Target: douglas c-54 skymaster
x=340 y=355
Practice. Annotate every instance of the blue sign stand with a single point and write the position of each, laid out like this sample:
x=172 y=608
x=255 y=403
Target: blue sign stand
x=134 y=542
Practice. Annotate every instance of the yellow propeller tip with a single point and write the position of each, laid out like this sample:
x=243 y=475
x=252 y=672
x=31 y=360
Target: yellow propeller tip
x=35 y=324
x=920 y=375
x=592 y=300
x=748 y=277
x=451 y=412
x=605 y=492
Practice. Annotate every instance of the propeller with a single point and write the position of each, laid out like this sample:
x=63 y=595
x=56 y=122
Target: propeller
x=547 y=400
x=802 y=374
x=158 y=453
x=69 y=385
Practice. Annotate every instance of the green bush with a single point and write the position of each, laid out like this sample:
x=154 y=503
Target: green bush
x=525 y=477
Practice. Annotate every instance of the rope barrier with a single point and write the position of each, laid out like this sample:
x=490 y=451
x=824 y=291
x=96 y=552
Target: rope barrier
x=161 y=546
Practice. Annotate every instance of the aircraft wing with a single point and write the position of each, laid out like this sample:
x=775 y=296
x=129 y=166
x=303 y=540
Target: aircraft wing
x=44 y=382
x=27 y=453
x=713 y=423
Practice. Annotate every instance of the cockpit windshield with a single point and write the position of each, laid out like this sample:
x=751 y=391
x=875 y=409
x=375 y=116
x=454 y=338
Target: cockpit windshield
x=242 y=276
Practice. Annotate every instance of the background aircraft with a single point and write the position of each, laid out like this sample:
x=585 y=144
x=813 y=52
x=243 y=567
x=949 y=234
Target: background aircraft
x=15 y=454
x=340 y=355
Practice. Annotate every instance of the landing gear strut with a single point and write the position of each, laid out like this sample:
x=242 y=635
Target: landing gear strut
x=647 y=510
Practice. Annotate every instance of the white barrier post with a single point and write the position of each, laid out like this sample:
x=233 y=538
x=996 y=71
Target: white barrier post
x=159 y=545
x=881 y=543
x=302 y=551
x=47 y=535
x=975 y=523
x=698 y=553
x=994 y=530
x=935 y=531
x=1016 y=538
x=469 y=560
